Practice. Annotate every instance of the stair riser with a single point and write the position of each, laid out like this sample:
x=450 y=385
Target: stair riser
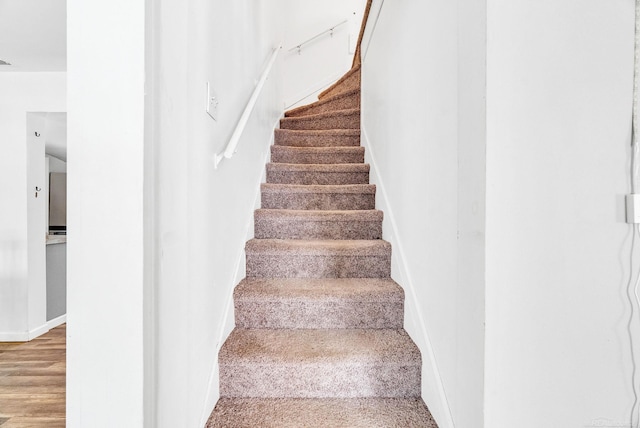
x=342 y=103
x=317 y=266
x=316 y=140
x=317 y=177
x=316 y=314
x=352 y=81
x=282 y=156
x=321 y=413
x=270 y=228
x=318 y=201
x=332 y=122
x=319 y=380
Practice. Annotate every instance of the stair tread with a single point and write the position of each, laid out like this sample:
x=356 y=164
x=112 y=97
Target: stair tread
x=317 y=116
x=317 y=137
x=319 y=289
x=323 y=102
x=293 y=347
x=317 y=224
x=317 y=155
x=319 y=150
x=333 y=119
x=318 y=188
x=330 y=247
x=318 y=167
x=350 y=75
x=319 y=215
x=314 y=132
x=321 y=413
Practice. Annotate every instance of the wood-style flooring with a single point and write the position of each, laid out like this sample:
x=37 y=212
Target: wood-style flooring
x=32 y=381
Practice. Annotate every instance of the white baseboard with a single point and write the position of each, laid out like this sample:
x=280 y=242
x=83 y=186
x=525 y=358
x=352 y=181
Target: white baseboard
x=33 y=333
x=57 y=321
x=38 y=331
x=399 y=264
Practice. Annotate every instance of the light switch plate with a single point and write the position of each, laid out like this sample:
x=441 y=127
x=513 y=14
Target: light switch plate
x=212 y=102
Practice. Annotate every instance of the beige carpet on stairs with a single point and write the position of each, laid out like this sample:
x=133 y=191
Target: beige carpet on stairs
x=319 y=338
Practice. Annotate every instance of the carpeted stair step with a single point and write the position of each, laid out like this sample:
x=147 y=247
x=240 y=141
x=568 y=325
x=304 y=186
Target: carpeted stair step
x=342 y=101
x=318 y=197
x=338 y=119
x=319 y=303
x=349 y=81
x=317 y=138
x=342 y=363
x=310 y=155
x=301 y=258
x=291 y=173
x=321 y=413
x=317 y=224
x=319 y=339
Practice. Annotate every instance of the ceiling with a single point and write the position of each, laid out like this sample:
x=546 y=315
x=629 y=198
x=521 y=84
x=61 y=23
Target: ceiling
x=33 y=35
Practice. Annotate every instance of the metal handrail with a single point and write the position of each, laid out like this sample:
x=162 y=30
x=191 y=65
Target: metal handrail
x=329 y=30
x=242 y=123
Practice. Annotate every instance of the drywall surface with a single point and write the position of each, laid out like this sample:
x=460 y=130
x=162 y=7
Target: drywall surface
x=56 y=253
x=105 y=216
x=37 y=207
x=559 y=99
x=202 y=215
x=424 y=127
x=410 y=126
x=467 y=396
x=56 y=280
x=21 y=93
x=56 y=135
x=325 y=59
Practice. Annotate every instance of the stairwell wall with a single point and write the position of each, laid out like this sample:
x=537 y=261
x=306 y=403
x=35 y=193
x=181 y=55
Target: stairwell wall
x=106 y=353
x=203 y=216
x=559 y=118
x=423 y=110
x=326 y=59
x=21 y=93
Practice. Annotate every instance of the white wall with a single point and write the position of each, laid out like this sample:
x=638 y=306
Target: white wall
x=326 y=59
x=56 y=254
x=204 y=216
x=56 y=135
x=105 y=214
x=21 y=93
x=559 y=109
x=557 y=141
x=174 y=227
x=467 y=394
x=37 y=207
x=423 y=124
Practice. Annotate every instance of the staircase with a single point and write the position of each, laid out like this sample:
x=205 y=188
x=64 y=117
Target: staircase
x=319 y=339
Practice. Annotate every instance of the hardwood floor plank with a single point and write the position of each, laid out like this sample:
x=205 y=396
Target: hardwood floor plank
x=31 y=422
x=33 y=382
x=32 y=390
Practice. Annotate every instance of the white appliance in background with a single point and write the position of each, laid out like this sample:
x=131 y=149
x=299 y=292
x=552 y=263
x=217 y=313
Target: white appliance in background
x=58 y=203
